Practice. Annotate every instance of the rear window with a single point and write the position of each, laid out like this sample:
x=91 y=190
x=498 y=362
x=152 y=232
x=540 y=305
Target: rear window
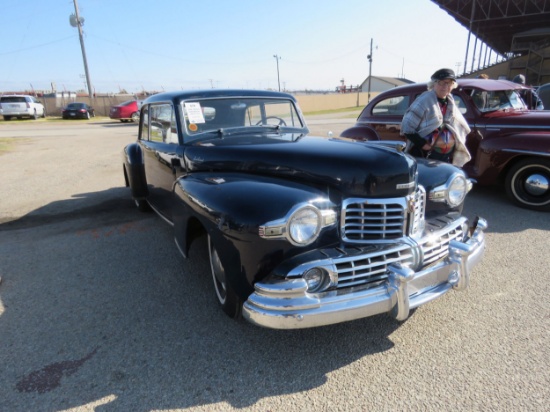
x=394 y=106
x=12 y=99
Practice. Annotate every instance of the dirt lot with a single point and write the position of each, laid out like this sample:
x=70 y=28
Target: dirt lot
x=98 y=311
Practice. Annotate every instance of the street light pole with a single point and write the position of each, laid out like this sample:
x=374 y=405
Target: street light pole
x=370 y=70
x=278 y=79
x=79 y=23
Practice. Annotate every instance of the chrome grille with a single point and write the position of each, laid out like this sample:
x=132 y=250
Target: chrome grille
x=367 y=220
x=418 y=205
x=370 y=267
x=437 y=248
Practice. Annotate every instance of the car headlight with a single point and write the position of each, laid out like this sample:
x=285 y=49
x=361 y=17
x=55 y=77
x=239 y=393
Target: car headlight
x=457 y=191
x=304 y=225
x=453 y=192
x=301 y=226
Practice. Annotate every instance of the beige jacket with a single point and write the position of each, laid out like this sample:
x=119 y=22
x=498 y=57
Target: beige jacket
x=424 y=116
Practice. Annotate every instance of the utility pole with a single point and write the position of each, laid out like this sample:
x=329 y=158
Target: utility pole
x=79 y=22
x=370 y=69
x=277 y=58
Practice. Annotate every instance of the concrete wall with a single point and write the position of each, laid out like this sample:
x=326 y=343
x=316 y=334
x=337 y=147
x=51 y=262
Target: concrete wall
x=308 y=102
x=101 y=104
x=319 y=102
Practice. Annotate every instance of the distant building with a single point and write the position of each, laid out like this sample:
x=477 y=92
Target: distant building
x=381 y=84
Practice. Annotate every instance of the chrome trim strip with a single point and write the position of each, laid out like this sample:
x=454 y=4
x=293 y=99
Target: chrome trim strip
x=526 y=152
x=497 y=127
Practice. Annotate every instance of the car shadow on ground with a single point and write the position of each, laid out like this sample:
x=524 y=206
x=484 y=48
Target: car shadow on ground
x=98 y=306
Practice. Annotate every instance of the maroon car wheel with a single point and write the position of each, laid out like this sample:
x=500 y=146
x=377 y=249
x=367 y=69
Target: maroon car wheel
x=528 y=184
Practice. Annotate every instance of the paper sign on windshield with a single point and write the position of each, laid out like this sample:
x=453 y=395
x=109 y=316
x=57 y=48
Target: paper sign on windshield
x=194 y=113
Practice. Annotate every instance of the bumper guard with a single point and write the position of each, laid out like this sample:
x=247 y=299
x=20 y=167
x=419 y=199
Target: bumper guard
x=285 y=304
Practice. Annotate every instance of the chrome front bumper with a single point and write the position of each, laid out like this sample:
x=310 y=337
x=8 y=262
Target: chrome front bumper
x=286 y=304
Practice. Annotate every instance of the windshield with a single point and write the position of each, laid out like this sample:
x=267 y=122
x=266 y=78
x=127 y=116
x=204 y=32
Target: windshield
x=215 y=115
x=488 y=101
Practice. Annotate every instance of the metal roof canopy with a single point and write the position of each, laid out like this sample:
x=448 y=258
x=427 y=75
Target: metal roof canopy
x=497 y=22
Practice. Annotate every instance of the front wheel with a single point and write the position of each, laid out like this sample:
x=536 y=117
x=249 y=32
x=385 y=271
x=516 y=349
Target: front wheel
x=528 y=184
x=135 y=117
x=227 y=298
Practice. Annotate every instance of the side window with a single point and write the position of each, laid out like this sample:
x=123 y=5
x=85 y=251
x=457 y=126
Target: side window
x=162 y=123
x=394 y=106
x=460 y=104
x=144 y=133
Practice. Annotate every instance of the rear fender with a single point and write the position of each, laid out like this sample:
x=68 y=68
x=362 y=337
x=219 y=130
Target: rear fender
x=361 y=133
x=135 y=171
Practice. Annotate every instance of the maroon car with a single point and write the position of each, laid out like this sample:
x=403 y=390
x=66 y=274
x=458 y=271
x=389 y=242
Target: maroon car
x=127 y=111
x=508 y=143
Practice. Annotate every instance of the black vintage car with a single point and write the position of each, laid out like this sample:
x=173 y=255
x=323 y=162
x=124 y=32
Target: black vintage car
x=302 y=231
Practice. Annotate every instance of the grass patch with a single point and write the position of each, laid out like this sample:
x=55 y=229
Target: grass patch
x=55 y=119
x=6 y=143
x=347 y=111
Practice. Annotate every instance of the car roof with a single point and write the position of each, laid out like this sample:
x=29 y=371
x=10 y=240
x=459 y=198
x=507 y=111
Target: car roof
x=16 y=95
x=214 y=93
x=489 y=84
x=481 y=84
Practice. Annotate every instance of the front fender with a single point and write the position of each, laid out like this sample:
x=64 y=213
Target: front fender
x=231 y=207
x=135 y=170
x=496 y=155
x=431 y=174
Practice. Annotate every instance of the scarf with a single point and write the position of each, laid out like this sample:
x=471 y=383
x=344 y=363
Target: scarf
x=424 y=116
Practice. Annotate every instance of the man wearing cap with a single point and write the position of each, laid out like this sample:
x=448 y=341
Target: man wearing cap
x=434 y=126
x=529 y=96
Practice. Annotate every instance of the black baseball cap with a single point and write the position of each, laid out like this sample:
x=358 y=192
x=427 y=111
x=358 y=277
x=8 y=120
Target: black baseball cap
x=443 y=74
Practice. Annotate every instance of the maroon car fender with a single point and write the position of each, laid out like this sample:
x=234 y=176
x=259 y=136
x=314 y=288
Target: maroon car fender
x=362 y=133
x=495 y=156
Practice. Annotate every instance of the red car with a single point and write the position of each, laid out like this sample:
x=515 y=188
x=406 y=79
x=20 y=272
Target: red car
x=508 y=143
x=127 y=111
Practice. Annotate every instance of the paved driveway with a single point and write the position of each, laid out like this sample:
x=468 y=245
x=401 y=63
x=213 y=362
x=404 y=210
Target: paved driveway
x=99 y=311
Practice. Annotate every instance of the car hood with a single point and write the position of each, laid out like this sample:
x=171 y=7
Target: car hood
x=354 y=168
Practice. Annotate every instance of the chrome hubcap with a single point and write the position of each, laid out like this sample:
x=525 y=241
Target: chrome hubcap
x=537 y=184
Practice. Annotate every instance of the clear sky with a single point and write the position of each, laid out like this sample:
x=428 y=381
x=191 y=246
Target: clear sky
x=192 y=44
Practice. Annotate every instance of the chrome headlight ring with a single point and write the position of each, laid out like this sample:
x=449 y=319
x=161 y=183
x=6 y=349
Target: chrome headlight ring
x=453 y=192
x=301 y=226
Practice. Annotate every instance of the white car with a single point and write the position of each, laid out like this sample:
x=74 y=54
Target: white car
x=21 y=106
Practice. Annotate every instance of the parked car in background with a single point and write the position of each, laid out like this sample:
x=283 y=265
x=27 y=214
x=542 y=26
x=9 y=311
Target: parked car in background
x=127 y=111
x=509 y=144
x=301 y=231
x=21 y=106
x=78 y=111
